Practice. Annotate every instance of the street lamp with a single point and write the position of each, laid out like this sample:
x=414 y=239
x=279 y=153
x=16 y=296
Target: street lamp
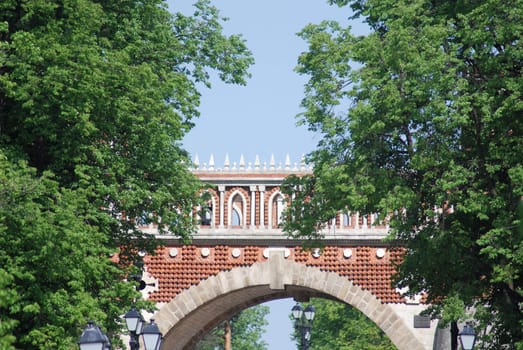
x=303 y=322
x=467 y=337
x=152 y=337
x=107 y=345
x=297 y=311
x=93 y=338
x=134 y=321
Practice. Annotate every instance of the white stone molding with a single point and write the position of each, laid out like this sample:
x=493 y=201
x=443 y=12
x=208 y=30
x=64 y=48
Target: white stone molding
x=261 y=188
x=221 y=189
x=253 y=206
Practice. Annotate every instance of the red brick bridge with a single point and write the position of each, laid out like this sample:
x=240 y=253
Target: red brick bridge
x=239 y=258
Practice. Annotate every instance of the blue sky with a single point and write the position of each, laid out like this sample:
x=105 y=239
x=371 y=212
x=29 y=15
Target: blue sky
x=259 y=119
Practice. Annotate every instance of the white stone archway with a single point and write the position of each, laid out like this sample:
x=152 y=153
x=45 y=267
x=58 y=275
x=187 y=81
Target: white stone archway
x=194 y=312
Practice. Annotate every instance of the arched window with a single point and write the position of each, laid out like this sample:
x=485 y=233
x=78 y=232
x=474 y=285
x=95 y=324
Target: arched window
x=363 y=221
x=280 y=205
x=206 y=215
x=142 y=219
x=277 y=207
x=237 y=210
x=236 y=217
x=347 y=220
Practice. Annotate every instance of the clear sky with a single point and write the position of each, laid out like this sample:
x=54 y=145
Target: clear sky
x=259 y=119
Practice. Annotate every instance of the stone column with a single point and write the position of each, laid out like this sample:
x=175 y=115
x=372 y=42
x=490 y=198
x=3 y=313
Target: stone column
x=253 y=206
x=262 y=206
x=221 y=189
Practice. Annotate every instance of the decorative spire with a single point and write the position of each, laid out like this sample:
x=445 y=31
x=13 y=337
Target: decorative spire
x=272 y=164
x=242 y=162
x=196 y=161
x=227 y=163
x=211 y=162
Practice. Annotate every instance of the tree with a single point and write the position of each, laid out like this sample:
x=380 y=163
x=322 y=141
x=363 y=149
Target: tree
x=246 y=329
x=7 y=299
x=427 y=132
x=57 y=266
x=95 y=97
x=101 y=93
x=340 y=326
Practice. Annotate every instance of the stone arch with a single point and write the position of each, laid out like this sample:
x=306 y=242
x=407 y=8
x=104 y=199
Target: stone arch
x=194 y=312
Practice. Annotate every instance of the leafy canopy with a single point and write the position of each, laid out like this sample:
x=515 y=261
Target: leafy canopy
x=95 y=97
x=427 y=132
x=247 y=328
x=340 y=326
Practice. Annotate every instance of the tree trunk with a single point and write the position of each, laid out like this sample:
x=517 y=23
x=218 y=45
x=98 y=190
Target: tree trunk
x=227 y=336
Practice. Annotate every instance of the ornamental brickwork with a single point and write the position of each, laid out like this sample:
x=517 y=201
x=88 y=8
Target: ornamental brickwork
x=179 y=268
x=239 y=257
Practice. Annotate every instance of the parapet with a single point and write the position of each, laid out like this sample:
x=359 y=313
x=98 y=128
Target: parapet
x=251 y=167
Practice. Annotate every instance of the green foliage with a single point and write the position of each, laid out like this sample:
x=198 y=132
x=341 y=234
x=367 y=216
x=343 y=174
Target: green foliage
x=95 y=97
x=247 y=328
x=340 y=326
x=428 y=133
x=8 y=298
x=101 y=93
x=60 y=267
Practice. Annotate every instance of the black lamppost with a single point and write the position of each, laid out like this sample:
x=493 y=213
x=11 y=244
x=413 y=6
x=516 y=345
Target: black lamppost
x=93 y=338
x=303 y=323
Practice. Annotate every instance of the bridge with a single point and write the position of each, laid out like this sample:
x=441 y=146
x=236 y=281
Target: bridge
x=239 y=257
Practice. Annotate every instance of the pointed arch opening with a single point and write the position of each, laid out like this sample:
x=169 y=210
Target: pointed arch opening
x=237 y=210
x=277 y=205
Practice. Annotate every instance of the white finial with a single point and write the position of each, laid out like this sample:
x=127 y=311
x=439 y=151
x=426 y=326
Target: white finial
x=196 y=161
x=272 y=164
x=287 y=162
x=227 y=163
x=257 y=163
x=211 y=162
x=242 y=162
